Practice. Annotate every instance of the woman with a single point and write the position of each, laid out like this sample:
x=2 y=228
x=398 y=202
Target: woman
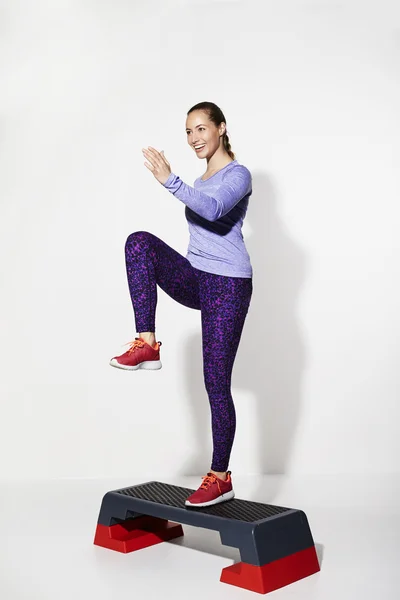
x=215 y=277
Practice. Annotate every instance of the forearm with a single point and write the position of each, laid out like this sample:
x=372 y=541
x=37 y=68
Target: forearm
x=223 y=199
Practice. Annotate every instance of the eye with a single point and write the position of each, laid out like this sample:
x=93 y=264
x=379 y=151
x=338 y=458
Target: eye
x=187 y=133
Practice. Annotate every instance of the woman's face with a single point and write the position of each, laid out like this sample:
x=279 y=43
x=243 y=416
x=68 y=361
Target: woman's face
x=201 y=131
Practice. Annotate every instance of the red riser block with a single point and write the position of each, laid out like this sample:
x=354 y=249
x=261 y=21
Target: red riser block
x=134 y=534
x=273 y=575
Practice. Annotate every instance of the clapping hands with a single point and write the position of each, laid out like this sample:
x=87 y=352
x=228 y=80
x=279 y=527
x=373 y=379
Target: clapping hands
x=159 y=165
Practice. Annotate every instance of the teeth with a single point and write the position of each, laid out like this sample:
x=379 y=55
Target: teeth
x=197 y=147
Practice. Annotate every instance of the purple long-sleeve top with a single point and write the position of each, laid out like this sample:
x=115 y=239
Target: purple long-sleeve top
x=215 y=210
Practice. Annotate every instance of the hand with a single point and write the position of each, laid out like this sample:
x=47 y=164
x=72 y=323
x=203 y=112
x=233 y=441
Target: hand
x=159 y=166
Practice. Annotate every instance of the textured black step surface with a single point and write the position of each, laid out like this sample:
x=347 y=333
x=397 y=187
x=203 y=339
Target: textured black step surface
x=173 y=495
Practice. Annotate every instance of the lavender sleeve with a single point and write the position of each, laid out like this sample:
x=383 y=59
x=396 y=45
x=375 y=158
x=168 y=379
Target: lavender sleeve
x=235 y=185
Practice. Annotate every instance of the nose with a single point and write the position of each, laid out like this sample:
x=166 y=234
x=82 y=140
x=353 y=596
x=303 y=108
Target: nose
x=194 y=141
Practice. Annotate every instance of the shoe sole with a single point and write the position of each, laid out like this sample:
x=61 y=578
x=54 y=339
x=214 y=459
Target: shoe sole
x=149 y=365
x=223 y=498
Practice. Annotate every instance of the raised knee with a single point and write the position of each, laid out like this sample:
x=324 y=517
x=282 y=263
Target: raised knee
x=137 y=235
x=137 y=239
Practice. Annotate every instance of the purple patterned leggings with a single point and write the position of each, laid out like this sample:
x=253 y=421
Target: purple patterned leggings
x=223 y=302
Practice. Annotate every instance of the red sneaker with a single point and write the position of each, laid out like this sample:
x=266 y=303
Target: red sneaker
x=139 y=356
x=211 y=491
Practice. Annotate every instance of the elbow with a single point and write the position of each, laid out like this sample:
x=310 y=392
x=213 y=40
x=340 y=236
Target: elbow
x=209 y=216
x=216 y=214
x=212 y=212
x=218 y=211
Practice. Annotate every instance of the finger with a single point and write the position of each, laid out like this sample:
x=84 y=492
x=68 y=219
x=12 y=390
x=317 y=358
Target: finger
x=153 y=157
x=150 y=166
x=165 y=160
x=153 y=166
x=154 y=152
x=157 y=155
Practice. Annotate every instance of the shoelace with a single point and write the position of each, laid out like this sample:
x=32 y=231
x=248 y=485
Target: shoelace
x=137 y=343
x=208 y=480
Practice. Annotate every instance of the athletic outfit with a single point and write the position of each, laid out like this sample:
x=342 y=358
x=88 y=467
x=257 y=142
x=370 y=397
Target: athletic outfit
x=215 y=277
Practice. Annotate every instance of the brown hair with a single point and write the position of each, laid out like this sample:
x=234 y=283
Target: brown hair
x=215 y=115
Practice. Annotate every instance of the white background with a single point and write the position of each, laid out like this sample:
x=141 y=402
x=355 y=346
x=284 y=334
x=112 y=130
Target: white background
x=311 y=96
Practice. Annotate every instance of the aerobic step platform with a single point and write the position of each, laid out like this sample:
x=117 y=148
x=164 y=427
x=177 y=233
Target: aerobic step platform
x=275 y=543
